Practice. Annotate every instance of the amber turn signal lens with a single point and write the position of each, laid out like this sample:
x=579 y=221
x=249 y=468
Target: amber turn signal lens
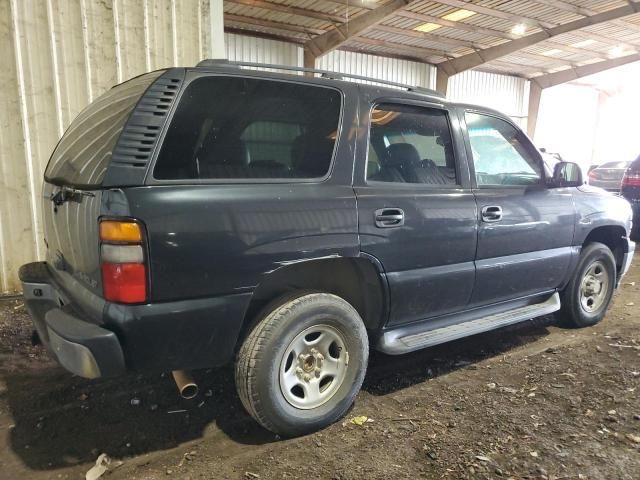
x=114 y=231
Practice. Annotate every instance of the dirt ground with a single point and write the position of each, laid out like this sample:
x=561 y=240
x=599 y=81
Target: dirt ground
x=530 y=401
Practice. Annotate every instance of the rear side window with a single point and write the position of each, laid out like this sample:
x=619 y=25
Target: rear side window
x=242 y=128
x=409 y=144
x=82 y=156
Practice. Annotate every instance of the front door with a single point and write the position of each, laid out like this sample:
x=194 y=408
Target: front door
x=417 y=213
x=525 y=229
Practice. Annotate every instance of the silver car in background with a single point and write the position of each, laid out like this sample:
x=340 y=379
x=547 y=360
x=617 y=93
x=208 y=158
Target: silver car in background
x=608 y=175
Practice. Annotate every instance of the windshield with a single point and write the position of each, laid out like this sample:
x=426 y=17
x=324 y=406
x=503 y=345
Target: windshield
x=82 y=156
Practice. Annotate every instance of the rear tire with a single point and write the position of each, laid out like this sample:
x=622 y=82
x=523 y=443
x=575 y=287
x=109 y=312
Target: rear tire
x=587 y=296
x=303 y=363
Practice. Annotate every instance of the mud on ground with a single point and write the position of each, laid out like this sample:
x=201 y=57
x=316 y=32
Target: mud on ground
x=530 y=401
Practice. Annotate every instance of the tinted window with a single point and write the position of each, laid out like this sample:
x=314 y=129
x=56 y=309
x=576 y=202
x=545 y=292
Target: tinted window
x=83 y=154
x=501 y=153
x=410 y=145
x=229 y=127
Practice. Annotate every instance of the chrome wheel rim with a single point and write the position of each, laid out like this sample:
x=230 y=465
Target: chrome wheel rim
x=594 y=287
x=313 y=367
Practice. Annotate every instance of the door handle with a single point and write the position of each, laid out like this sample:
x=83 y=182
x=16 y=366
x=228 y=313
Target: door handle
x=491 y=213
x=389 y=217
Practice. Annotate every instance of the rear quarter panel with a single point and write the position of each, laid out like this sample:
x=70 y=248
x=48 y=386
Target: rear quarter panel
x=207 y=240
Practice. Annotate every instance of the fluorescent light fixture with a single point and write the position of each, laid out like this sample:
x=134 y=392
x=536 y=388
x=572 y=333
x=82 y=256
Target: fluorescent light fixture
x=617 y=51
x=427 y=27
x=583 y=43
x=551 y=52
x=459 y=15
x=519 y=29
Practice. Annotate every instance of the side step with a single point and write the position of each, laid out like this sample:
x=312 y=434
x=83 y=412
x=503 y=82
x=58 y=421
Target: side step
x=399 y=341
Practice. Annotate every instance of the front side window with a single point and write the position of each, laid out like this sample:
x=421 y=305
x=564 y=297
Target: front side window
x=410 y=144
x=501 y=153
x=240 y=128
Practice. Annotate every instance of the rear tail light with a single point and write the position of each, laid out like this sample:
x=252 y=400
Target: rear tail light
x=123 y=263
x=631 y=179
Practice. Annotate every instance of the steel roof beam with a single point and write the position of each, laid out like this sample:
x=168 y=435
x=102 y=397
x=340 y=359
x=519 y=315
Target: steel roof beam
x=475 y=59
x=300 y=12
x=474 y=45
x=425 y=54
x=633 y=5
x=341 y=34
x=256 y=22
x=586 y=12
x=557 y=78
x=475 y=29
x=491 y=12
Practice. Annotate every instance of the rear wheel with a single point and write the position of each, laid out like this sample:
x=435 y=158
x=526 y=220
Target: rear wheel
x=303 y=363
x=587 y=296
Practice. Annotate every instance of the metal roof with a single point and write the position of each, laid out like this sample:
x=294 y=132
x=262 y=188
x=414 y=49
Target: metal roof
x=461 y=27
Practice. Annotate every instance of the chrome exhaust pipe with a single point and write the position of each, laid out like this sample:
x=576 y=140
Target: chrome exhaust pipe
x=187 y=386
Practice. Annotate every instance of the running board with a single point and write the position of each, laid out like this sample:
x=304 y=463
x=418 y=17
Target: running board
x=396 y=342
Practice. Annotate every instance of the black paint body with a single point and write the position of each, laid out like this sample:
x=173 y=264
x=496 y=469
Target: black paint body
x=212 y=244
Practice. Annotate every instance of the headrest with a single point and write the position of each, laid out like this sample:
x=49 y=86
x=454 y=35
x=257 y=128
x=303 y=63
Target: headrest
x=232 y=152
x=223 y=151
x=402 y=155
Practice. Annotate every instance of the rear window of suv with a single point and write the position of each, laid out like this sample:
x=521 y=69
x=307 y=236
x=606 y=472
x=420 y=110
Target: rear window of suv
x=82 y=156
x=246 y=128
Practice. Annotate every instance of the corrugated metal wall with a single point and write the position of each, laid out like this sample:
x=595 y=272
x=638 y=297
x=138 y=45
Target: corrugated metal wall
x=505 y=93
x=260 y=50
x=58 y=55
x=391 y=69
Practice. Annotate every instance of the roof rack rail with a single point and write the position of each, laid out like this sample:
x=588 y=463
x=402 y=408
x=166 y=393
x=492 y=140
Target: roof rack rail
x=215 y=62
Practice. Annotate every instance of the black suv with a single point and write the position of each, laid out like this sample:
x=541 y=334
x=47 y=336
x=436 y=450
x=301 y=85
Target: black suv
x=288 y=223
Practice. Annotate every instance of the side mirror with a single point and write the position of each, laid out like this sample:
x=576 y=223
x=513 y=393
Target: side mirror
x=567 y=174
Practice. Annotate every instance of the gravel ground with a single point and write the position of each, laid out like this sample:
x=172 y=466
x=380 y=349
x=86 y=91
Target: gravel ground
x=530 y=401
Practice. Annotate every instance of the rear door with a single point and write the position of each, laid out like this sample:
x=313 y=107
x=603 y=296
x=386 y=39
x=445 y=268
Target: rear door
x=254 y=175
x=525 y=230
x=417 y=214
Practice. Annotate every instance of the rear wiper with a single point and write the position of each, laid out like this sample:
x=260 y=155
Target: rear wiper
x=67 y=193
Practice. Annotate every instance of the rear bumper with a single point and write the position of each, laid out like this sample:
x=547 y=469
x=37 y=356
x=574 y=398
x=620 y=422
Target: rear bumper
x=83 y=348
x=160 y=336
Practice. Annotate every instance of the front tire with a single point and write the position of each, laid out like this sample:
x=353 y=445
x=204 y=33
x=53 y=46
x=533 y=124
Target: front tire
x=302 y=365
x=587 y=296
